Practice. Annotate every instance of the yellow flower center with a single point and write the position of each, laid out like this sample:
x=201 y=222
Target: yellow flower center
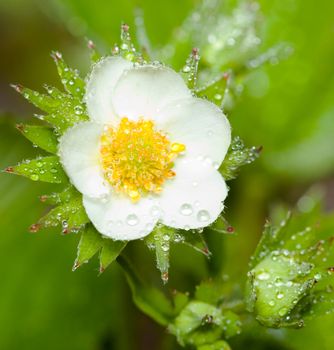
x=136 y=158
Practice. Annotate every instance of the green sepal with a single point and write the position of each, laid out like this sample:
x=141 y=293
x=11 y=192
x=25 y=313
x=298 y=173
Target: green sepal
x=60 y=197
x=40 y=136
x=44 y=102
x=109 y=252
x=190 y=70
x=46 y=169
x=70 y=112
x=94 y=54
x=215 y=91
x=221 y=226
x=180 y=300
x=70 y=78
x=71 y=215
x=219 y=345
x=195 y=240
x=237 y=156
x=126 y=49
x=63 y=110
x=209 y=291
x=92 y=242
x=160 y=240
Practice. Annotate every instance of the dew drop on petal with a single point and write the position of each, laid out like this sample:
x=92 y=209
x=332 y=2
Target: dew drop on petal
x=155 y=211
x=132 y=220
x=203 y=216
x=186 y=209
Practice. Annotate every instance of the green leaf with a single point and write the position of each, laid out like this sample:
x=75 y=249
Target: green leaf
x=237 y=156
x=70 y=78
x=40 y=136
x=110 y=251
x=215 y=91
x=46 y=169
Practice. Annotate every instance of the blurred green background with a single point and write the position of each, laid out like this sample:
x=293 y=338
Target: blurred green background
x=287 y=107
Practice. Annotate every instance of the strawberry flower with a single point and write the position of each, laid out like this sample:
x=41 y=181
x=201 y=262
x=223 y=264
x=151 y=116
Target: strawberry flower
x=149 y=153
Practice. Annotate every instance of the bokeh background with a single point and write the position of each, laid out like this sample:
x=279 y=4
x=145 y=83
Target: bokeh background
x=286 y=106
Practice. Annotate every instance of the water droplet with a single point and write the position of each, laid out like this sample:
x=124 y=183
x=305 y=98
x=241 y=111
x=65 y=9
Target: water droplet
x=132 y=220
x=165 y=247
x=203 y=216
x=186 y=209
x=155 y=211
x=271 y=303
x=34 y=177
x=283 y=311
x=263 y=276
x=178 y=238
x=279 y=295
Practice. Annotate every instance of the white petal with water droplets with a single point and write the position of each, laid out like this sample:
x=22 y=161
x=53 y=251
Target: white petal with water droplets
x=100 y=85
x=200 y=125
x=194 y=198
x=79 y=155
x=143 y=91
x=121 y=219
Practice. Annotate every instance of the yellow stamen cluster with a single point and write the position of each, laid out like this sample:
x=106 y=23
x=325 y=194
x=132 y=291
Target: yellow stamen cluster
x=136 y=158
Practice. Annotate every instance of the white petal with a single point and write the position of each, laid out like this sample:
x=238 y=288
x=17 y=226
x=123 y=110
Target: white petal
x=100 y=85
x=121 y=219
x=79 y=154
x=194 y=198
x=143 y=91
x=200 y=125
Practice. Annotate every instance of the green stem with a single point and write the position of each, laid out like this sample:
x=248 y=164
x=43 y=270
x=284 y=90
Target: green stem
x=149 y=300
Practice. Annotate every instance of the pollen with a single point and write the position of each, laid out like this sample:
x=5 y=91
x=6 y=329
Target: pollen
x=136 y=158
